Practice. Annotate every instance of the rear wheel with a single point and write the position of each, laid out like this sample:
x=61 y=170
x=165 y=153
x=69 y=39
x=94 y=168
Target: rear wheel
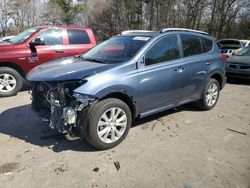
x=108 y=124
x=210 y=95
x=11 y=82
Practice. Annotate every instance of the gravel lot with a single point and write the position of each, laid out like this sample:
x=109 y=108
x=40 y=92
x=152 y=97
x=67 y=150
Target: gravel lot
x=179 y=148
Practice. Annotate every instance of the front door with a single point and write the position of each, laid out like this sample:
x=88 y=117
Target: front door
x=161 y=77
x=52 y=48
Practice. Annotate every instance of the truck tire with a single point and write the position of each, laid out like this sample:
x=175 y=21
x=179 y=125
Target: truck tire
x=210 y=95
x=108 y=123
x=11 y=82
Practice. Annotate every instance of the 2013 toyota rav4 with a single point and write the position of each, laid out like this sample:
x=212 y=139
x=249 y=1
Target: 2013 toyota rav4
x=131 y=75
x=35 y=46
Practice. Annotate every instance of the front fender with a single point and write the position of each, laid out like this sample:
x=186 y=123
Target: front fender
x=131 y=92
x=122 y=79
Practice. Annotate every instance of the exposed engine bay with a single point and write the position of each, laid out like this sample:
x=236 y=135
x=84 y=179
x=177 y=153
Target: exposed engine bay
x=57 y=104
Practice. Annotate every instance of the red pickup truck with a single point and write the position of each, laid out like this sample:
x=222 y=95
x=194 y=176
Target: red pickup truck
x=38 y=45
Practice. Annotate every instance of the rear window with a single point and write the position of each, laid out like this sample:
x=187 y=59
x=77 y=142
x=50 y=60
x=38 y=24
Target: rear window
x=191 y=45
x=206 y=44
x=230 y=44
x=78 y=36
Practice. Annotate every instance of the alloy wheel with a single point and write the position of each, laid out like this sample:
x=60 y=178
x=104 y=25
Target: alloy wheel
x=7 y=83
x=212 y=94
x=112 y=125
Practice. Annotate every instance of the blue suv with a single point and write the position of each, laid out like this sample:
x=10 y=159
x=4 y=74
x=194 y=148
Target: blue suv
x=135 y=74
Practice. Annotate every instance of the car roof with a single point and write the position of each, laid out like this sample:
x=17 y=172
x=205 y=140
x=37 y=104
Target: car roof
x=244 y=40
x=146 y=34
x=228 y=40
x=183 y=29
x=163 y=32
x=65 y=27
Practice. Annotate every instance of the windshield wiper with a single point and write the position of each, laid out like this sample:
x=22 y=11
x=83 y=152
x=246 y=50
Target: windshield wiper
x=90 y=59
x=78 y=56
x=93 y=59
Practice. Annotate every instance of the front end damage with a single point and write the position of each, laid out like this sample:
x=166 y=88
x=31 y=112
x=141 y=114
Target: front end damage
x=57 y=104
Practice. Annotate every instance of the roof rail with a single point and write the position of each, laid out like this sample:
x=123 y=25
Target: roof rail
x=183 y=29
x=135 y=31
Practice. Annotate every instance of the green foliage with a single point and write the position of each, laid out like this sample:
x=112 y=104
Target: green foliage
x=68 y=10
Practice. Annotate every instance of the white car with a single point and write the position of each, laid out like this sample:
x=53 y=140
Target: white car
x=245 y=42
x=230 y=46
x=6 y=39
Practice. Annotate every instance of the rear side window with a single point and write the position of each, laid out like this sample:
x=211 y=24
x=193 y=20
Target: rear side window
x=78 y=36
x=191 y=45
x=206 y=44
x=165 y=49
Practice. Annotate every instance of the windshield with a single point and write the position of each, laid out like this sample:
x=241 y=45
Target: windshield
x=21 y=37
x=117 y=49
x=244 y=52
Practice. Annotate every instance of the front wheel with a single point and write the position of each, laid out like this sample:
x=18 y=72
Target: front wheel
x=210 y=95
x=108 y=123
x=11 y=82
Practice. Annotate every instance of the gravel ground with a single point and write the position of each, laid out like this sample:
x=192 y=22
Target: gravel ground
x=183 y=147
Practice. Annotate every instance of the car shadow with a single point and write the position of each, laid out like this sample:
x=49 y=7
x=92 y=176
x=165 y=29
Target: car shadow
x=157 y=116
x=20 y=122
x=26 y=86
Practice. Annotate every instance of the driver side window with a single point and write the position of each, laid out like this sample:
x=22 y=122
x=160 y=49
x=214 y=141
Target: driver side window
x=51 y=37
x=165 y=49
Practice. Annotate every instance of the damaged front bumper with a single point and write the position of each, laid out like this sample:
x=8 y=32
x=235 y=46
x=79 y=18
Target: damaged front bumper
x=57 y=104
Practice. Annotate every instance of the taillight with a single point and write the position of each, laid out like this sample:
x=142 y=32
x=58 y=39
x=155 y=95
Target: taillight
x=224 y=57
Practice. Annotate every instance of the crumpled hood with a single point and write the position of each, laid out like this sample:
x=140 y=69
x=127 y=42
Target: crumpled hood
x=70 y=68
x=239 y=59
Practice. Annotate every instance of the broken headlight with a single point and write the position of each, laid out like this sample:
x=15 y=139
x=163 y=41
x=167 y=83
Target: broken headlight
x=84 y=100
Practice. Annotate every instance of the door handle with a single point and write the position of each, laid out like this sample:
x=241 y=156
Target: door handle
x=209 y=63
x=180 y=69
x=59 y=51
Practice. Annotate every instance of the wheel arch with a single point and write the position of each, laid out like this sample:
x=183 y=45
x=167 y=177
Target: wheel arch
x=126 y=98
x=14 y=66
x=217 y=76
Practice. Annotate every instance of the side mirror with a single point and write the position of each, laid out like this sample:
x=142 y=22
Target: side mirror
x=37 y=42
x=141 y=62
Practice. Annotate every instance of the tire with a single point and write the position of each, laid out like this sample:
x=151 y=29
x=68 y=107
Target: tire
x=209 y=102
x=119 y=126
x=13 y=80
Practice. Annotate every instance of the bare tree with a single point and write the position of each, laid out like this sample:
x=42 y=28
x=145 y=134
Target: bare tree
x=220 y=18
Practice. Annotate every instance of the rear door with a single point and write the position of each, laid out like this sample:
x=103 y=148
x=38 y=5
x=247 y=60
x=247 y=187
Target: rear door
x=52 y=49
x=78 y=42
x=196 y=64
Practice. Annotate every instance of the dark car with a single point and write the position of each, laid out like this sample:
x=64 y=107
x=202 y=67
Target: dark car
x=129 y=76
x=38 y=45
x=238 y=66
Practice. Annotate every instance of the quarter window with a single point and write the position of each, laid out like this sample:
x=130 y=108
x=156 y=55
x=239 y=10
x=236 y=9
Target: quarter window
x=191 y=45
x=165 y=49
x=206 y=45
x=51 y=37
x=78 y=36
